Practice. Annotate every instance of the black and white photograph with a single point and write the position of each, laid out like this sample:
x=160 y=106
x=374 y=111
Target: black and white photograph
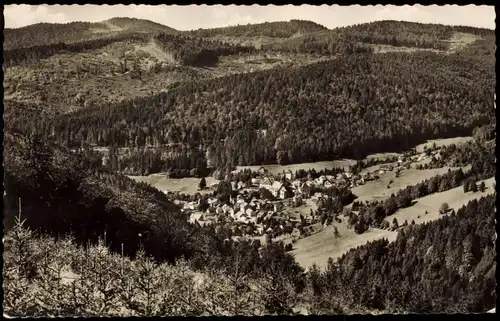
x=258 y=160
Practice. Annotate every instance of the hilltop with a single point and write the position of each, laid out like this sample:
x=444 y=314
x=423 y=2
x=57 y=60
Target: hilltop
x=278 y=29
x=41 y=34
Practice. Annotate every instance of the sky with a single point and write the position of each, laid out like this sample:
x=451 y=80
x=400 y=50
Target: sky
x=194 y=16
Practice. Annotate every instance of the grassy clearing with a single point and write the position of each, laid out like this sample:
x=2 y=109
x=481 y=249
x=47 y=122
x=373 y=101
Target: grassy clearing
x=460 y=40
x=276 y=169
x=383 y=155
x=388 y=48
x=444 y=142
x=304 y=209
x=377 y=190
x=319 y=247
x=188 y=185
x=455 y=198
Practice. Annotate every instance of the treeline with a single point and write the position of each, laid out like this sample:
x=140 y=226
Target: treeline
x=409 y=34
x=348 y=107
x=480 y=155
x=324 y=43
x=196 y=51
x=29 y=55
x=445 y=266
x=174 y=162
x=140 y=25
x=278 y=29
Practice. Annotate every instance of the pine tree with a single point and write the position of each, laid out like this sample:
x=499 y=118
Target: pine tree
x=473 y=186
x=19 y=298
x=203 y=184
x=395 y=223
x=466 y=186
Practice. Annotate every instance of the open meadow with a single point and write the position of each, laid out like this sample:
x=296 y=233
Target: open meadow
x=377 y=189
x=188 y=185
x=455 y=198
x=276 y=169
x=318 y=247
x=443 y=142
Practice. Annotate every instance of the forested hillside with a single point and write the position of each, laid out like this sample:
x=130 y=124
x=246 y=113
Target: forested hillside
x=29 y=55
x=61 y=194
x=345 y=107
x=279 y=29
x=409 y=34
x=447 y=266
x=196 y=51
x=44 y=34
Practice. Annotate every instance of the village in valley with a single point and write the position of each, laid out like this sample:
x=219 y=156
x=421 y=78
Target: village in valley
x=290 y=205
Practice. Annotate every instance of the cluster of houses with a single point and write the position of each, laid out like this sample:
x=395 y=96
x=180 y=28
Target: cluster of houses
x=287 y=191
x=243 y=210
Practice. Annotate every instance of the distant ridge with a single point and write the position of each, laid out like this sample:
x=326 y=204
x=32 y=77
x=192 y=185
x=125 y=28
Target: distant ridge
x=73 y=32
x=278 y=29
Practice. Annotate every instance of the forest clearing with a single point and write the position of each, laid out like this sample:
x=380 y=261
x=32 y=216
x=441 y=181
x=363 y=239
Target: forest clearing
x=319 y=247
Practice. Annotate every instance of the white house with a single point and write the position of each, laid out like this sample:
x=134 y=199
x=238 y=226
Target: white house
x=256 y=181
x=238 y=214
x=189 y=206
x=282 y=192
x=105 y=160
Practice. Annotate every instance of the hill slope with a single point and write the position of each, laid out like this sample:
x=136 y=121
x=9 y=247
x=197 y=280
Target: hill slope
x=350 y=106
x=51 y=33
x=62 y=193
x=279 y=29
